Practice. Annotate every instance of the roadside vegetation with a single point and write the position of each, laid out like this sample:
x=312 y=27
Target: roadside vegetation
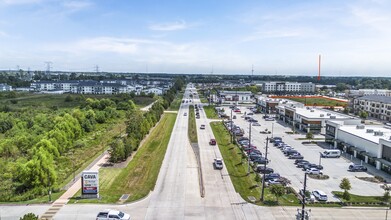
x=192 y=128
x=44 y=143
x=237 y=166
x=210 y=112
x=176 y=103
x=139 y=177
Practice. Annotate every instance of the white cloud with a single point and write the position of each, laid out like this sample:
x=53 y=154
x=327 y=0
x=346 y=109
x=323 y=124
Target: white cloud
x=178 y=25
x=3 y=34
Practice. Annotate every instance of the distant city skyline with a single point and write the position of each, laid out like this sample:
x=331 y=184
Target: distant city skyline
x=224 y=37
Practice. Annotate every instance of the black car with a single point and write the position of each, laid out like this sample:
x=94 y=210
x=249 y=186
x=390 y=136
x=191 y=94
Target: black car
x=291 y=152
x=260 y=160
x=312 y=165
x=357 y=168
x=272 y=176
x=265 y=170
x=273 y=139
x=302 y=164
x=299 y=161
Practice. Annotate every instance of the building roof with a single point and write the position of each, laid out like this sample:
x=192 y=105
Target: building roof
x=315 y=113
x=376 y=98
x=364 y=134
x=237 y=92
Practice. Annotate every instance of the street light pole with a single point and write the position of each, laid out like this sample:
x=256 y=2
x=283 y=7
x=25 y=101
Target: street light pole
x=232 y=137
x=249 y=143
x=263 y=179
x=303 y=196
x=320 y=158
x=272 y=129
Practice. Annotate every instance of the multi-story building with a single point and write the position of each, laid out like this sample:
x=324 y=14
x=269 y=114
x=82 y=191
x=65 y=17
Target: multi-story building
x=377 y=106
x=369 y=143
x=366 y=92
x=288 y=88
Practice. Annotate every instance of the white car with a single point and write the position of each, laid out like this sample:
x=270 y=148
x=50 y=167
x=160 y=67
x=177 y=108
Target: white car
x=110 y=214
x=319 y=195
x=313 y=171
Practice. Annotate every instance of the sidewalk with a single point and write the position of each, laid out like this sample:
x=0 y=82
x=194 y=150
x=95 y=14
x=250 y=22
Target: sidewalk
x=74 y=188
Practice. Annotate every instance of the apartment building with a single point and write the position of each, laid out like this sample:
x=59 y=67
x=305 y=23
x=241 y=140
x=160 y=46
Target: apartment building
x=4 y=87
x=288 y=88
x=377 y=106
x=234 y=97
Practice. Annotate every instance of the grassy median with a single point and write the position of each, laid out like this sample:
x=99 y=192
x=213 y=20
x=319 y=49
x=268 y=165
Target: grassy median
x=211 y=112
x=192 y=129
x=139 y=177
x=237 y=167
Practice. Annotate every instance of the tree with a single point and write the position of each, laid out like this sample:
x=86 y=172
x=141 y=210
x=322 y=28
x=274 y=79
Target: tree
x=277 y=190
x=29 y=216
x=117 y=151
x=363 y=114
x=346 y=186
x=309 y=135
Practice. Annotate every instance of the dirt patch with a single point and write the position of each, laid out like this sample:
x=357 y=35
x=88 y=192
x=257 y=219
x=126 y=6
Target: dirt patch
x=369 y=179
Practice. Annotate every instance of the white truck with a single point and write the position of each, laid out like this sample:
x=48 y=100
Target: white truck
x=330 y=153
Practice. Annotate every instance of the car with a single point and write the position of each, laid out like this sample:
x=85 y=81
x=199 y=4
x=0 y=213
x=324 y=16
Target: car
x=256 y=124
x=185 y=114
x=218 y=163
x=237 y=111
x=254 y=154
x=314 y=171
x=234 y=117
x=202 y=127
x=250 y=113
x=254 y=151
x=299 y=161
x=290 y=152
x=319 y=195
x=312 y=165
x=112 y=214
x=269 y=119
x=273 y=182
x=308 y=195
x=357 y=168
x=212 y=141
x=302 y=164
x=264 y=170
x=261 y=160
x=273 y=139
x=296 y=156
x=272 y=176
x=252 y=120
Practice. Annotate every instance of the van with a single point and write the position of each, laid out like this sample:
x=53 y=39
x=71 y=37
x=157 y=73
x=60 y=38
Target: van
x=331 y=153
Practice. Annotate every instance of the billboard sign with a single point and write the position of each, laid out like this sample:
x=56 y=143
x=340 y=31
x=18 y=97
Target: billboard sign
x=90 y=182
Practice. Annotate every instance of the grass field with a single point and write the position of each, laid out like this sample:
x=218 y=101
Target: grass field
x=140 y=176
x=317 y=101
x=49 y=101
x=192 y=129
x=210 y=112
x=237 y=167
x=359 y=199
x=176 y=103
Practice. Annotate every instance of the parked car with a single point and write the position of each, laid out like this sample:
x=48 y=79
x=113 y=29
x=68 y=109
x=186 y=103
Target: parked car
x=308 y=195
x=202 y=127
x=319 y=195
x=256 y=124
x=252 y=120
x=331 y=153
x=261 y=160
x=273 y=139
x=314 y=171
x=218 y=163
x=299 y=161
x=263 y=169
x=237 y=111
x=357 y=168
x=296 y=156
x=269 y=119
x=302 y=164
x=212 y=141
x=290 y=152
x=272 y=176
x=112 y=214
x=273 y=182
x=312 y=165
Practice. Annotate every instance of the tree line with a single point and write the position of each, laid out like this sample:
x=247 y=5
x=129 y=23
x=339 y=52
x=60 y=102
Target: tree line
x=138 y=124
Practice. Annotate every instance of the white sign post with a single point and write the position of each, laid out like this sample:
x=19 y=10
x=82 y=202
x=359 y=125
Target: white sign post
x=90 y=184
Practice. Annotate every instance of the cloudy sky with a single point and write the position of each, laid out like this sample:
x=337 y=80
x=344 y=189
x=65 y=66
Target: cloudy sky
x=179 y=36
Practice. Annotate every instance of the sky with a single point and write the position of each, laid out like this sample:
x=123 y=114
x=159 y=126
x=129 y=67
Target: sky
x=279 y=37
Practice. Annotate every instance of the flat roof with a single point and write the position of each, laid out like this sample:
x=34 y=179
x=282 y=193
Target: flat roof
x=316 y=113
x=352 y=129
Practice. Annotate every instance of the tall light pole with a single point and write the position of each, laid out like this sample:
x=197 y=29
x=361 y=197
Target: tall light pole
x=232 y=135
x=249 y=144
x=272 y=129
x=263 y=179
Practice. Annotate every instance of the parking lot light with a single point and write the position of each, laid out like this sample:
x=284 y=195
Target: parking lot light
x=320 y=158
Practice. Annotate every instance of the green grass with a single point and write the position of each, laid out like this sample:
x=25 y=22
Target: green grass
x=140 y=176
x=211 y=112
x=176 y=103
x=359 y=199
x=192 y=128
x=318 y=101
x=237 y=168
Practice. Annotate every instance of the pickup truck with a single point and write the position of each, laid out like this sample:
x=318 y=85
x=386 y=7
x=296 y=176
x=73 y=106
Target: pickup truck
x=218 y=164
x=110 y=214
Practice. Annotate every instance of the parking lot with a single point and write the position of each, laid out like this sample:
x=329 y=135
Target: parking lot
x=335 y=168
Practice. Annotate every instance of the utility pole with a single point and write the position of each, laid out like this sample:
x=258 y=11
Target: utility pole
x=263 y=179
x=303 y=196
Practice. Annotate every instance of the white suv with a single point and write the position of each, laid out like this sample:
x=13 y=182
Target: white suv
x=319 y=195
x=110 y=214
